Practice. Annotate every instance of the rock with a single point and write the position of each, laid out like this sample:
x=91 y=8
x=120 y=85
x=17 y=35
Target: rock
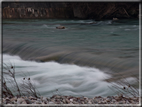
x=86 y=101
x=86 y=98
x=24 y=102
x=89 y=102
x=61 y=103
x=13 y=99
x=58 y=102
x=121 y=102
x=113 y=100
x=32 y=98
x=43 y=103
x=20 y=100
x=28 y=101
x=71 y=100
x=32 y=101
x=44 y=100
x=60 y=27
x=3 y=100
x=37 y=102
x=51 y=102
x=58 y=97
x=67 y=101
x=70 y=103
x=12 y=102
x=81 y=99
x=41 y=97
x=7 y=99
x=115 y=19
x=64 y=101
x=95 y=102
x=108 y=99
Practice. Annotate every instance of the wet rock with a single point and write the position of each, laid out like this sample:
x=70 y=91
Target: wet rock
x=60 y=27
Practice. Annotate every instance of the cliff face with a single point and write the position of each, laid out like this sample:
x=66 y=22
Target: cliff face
x=36 y=10
x=70 y=10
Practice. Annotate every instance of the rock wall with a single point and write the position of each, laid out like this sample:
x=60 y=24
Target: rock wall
x=69 y=10
x=35 y=10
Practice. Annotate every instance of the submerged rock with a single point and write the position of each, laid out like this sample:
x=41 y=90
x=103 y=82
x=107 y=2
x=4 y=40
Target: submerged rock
x=60 y=27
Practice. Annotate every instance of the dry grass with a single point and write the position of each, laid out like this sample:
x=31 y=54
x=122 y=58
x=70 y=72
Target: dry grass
x=124 y=88
x=25 y=88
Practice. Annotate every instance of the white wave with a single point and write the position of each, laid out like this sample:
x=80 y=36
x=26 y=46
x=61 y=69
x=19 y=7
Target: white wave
x=49 y=76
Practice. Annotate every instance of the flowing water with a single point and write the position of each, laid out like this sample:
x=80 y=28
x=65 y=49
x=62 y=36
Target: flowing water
x=76 y=60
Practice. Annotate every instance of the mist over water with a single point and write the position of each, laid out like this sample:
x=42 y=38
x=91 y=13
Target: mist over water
x=76 y=60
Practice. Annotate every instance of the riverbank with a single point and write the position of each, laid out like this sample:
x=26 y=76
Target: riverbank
x=58 y=99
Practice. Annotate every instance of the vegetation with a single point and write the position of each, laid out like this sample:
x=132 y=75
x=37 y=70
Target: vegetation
x=25 y=88
x=124 y=88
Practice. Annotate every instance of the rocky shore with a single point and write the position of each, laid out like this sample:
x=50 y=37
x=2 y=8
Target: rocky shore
x=58 y=99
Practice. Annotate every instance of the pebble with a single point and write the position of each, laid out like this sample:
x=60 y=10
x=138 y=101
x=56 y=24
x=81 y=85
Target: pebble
x=13 y=99
x=20 y=100
x=51 y=102
x=58 y=99
x=28 y=101
x=44 y=99
x=67 y=101
x=24 y=102
x=71 y=100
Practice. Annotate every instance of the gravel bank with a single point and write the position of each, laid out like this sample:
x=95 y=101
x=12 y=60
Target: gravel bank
x=57 y=99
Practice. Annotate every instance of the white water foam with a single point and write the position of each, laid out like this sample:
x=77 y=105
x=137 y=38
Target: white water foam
x=68 y=79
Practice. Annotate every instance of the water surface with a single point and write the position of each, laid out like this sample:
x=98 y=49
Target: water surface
x=76 y=59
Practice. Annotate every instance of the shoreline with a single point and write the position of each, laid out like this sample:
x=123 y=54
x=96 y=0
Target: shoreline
x=58 y=99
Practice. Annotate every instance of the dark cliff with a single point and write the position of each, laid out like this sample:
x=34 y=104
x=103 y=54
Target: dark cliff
x=69 y=10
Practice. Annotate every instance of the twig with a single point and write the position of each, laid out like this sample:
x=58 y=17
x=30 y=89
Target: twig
x=126 y=12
